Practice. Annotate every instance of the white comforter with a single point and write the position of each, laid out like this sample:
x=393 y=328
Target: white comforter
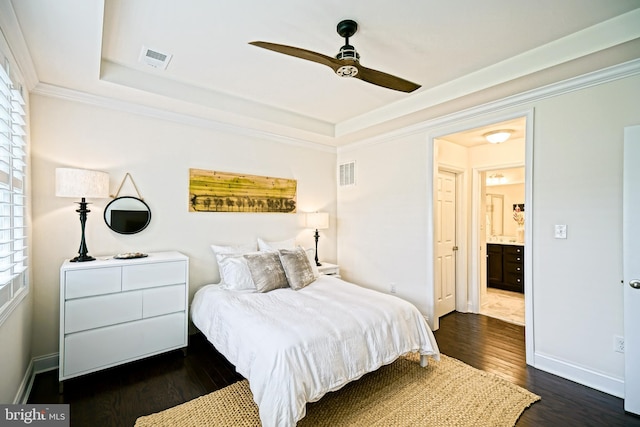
x=295 y=346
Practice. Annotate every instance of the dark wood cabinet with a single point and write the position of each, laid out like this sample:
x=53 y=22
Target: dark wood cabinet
x=505 y=267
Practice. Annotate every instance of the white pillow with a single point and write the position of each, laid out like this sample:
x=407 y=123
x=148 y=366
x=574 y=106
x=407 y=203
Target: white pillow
x=276 y=246
x=234 y=249
x=234 y=272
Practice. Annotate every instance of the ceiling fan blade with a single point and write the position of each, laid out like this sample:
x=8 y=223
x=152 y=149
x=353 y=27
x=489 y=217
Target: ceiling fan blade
x=300 y=53
x=385 y=80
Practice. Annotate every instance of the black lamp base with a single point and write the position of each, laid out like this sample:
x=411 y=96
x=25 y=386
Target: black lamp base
x=83 y=253
x=82 y=258
x=317 y=236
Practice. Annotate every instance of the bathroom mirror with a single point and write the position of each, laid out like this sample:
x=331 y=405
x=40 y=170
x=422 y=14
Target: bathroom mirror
x=495 y=214
x=127 y=215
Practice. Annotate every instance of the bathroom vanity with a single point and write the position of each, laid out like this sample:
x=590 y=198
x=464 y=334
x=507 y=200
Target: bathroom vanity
x=505 y=266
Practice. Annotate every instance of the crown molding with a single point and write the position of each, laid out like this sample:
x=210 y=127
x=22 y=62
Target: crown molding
x=12 y=33
x=66 y=94
x=595 y=78
x=605 y=75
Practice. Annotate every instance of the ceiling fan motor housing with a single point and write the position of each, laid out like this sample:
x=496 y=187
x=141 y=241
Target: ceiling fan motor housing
x=348 y=53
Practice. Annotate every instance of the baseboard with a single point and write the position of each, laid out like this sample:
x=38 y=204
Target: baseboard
x=580 y=375
x=25 y=386
x=36 y=366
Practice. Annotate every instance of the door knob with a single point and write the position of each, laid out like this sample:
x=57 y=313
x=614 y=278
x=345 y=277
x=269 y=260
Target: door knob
x=635 y=284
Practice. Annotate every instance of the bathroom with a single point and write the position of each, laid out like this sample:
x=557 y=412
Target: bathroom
x=505 y=223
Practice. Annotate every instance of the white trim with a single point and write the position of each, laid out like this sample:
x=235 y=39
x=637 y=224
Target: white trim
x=22 y=395
x=594 y=78
x=45 y=363
x=13 y=303
x=596 y=380
x=10 y=29
x=58 y=92
x=36 y=366
x=529 y=330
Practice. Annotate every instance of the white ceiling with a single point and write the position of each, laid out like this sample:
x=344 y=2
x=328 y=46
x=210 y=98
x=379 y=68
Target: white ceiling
x=454 y=49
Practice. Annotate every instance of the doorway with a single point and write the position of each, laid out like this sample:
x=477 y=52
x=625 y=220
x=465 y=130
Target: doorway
x=502 y=284
x=467 y=148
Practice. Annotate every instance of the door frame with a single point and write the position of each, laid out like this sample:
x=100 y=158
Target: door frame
x=471 y=271
x=630 y=270
x=476 y=254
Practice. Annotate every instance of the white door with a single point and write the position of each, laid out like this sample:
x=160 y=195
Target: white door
x=631 y=262
x=445 y=230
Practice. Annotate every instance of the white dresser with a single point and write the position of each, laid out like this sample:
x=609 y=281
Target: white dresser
x=115 y=311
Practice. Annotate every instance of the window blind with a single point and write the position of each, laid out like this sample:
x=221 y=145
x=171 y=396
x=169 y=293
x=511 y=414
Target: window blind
x=13 y=233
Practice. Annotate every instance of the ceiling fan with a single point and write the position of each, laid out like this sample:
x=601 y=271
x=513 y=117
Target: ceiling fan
x=347 y=61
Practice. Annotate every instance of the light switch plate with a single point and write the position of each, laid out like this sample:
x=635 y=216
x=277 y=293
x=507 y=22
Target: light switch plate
x=560 y=231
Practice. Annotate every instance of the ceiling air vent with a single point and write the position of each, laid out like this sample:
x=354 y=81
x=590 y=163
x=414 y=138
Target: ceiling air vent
x=347 y=174
x=154 y=58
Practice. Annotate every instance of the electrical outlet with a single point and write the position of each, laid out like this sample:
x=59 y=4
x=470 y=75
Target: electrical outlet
x=392 y=287
x=618 y=344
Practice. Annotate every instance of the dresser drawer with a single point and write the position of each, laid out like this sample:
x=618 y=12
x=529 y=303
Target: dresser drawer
x=514 y=258
x=514 y=267
x=513 y=250
x=92 y=281
x=100 y=348
x=163 y=300
x=104 y=310
x=515 y=279
x=153 y=274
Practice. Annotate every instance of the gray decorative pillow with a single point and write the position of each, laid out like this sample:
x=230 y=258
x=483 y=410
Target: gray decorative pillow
x=266 y=271
x=297 y=268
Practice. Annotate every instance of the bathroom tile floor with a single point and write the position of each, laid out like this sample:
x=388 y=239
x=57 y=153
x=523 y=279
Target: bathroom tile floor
x=504 y=305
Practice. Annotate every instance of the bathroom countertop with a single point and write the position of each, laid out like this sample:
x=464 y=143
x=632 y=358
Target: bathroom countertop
x=505 y=242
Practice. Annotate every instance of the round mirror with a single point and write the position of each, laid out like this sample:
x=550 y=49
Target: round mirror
x=127 y=215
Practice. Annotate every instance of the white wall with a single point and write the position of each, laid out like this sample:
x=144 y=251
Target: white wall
x=158 y=153
x=382 y=220
x=577 y=180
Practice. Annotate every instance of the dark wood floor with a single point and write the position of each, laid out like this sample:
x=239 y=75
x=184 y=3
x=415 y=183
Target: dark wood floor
x=118 y=396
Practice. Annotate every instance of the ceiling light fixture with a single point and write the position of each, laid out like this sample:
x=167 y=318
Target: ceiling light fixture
x=496 y=179
x=498 y=136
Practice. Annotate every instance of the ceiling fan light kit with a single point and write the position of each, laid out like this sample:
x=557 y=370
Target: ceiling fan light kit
x=347 y=62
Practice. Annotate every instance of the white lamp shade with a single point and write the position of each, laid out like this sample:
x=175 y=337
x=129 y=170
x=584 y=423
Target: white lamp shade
x=318 y=220
x=81 y=183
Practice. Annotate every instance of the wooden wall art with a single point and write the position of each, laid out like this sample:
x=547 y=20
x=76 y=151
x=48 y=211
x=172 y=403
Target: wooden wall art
x=212 y=191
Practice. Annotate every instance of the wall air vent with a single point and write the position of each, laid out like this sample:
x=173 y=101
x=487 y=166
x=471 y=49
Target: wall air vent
x=347 y=173
x=154 y=58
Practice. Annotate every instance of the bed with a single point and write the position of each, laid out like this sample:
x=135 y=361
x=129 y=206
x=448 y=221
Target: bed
x=295 y=344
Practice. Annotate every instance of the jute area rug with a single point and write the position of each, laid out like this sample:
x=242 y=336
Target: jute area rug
x=446 y=393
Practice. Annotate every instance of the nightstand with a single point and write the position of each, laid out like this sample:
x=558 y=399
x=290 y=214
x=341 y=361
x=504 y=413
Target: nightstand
x=329 y=269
